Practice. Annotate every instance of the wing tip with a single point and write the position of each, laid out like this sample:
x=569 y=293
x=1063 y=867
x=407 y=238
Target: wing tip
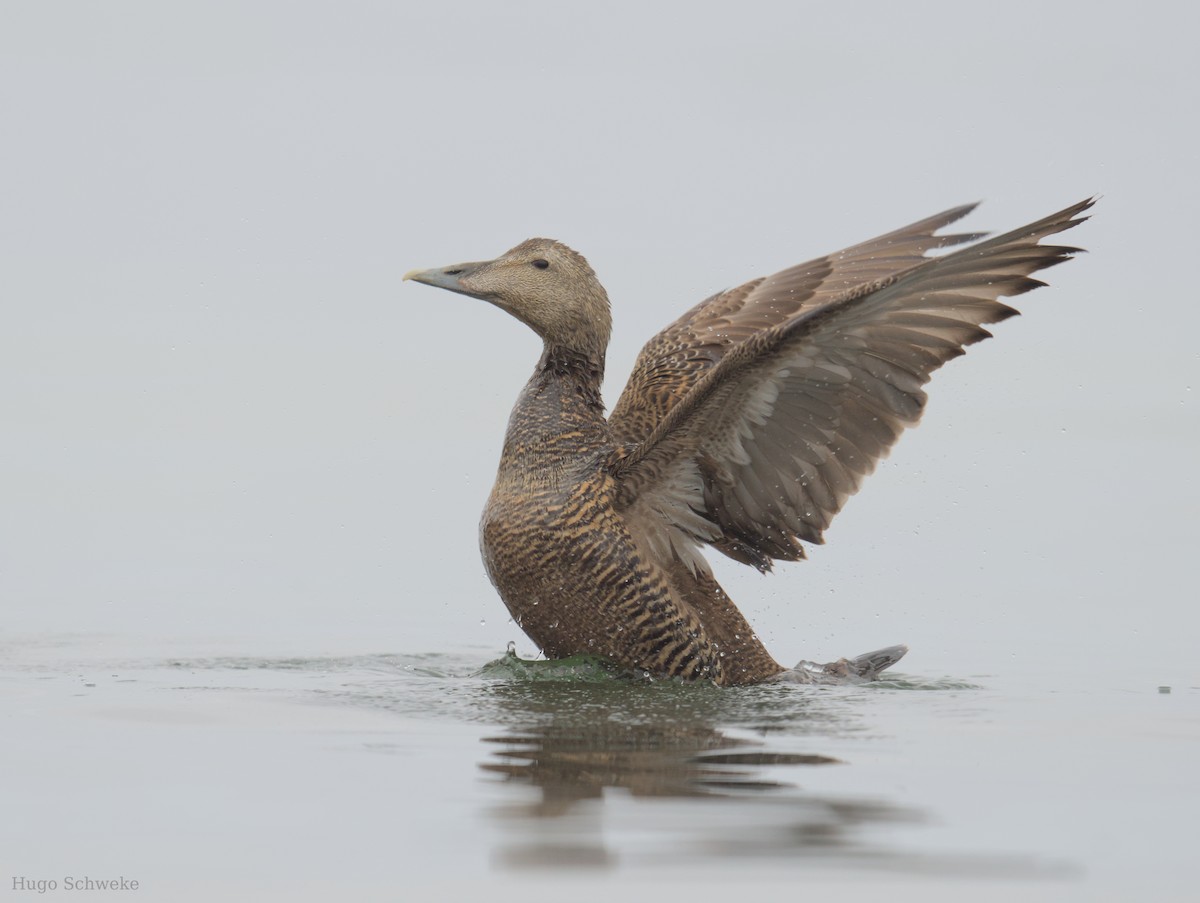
x=1073 y=216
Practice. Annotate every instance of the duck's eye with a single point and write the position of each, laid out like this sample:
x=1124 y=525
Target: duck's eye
x=541 y=264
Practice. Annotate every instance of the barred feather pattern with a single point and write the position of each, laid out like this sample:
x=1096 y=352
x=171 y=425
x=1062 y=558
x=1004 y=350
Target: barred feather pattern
x=571 y=573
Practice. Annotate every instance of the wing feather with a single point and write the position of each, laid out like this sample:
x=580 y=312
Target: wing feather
x=762 y=443
x=675 y=359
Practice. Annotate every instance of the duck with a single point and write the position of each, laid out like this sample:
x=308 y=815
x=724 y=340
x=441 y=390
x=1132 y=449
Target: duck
x=745 y=426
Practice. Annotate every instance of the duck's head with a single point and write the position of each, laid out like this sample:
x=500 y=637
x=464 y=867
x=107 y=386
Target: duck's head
x=542 y=283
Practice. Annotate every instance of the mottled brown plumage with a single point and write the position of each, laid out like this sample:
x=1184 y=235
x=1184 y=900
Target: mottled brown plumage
x=746 y=425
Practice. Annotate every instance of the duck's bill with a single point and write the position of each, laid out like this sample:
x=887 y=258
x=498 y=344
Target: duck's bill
x=450 y=278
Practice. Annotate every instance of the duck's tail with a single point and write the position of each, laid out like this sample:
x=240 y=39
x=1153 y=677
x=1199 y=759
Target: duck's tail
x=846 y=670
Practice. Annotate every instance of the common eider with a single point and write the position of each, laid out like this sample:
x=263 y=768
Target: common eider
x=746 y=425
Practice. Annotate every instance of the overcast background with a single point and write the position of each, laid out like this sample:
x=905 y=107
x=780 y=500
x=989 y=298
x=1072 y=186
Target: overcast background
x=223 y=417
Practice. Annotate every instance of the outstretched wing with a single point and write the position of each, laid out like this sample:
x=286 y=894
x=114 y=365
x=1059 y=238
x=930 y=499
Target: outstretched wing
x=675 y=359
x=770 y=441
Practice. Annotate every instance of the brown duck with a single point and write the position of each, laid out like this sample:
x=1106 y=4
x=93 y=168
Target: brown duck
x=746 y=425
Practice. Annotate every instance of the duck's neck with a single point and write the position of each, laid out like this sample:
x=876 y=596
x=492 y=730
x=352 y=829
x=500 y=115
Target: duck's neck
x=557 y=427
x=584 y=370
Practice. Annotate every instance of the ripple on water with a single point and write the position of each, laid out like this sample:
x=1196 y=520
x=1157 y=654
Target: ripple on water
x=768 y=761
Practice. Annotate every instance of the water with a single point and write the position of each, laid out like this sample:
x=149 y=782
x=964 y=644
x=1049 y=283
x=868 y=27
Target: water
x=375 y=776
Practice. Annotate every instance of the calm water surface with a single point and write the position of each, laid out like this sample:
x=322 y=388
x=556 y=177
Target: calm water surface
x=199 y=773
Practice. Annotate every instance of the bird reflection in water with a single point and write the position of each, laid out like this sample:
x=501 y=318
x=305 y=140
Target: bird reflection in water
x=655 y=756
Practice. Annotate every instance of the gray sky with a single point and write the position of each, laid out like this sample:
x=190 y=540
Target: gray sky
x=223 y=416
